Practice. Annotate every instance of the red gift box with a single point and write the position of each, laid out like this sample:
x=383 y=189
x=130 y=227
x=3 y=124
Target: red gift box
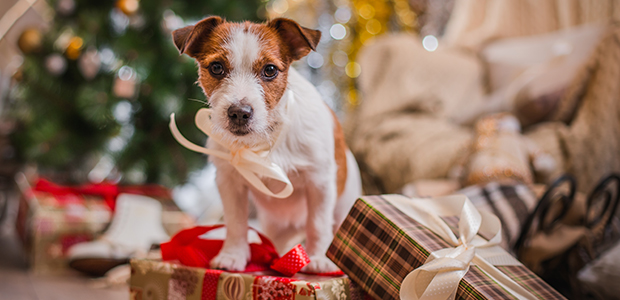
x=51 y=218
x=184 y=273
x=191 y=250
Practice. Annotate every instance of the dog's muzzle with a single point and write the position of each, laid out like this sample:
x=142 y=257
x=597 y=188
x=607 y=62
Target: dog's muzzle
x=240 y=115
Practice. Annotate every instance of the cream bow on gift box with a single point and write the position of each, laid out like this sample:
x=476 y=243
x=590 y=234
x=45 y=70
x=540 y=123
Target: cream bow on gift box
x=438 y=278
x=252 y=164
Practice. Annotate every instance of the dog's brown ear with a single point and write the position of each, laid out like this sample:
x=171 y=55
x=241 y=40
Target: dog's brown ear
x=189 y=39
x=299 y=40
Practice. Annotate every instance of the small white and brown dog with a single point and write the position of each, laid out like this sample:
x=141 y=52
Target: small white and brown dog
x=258 y=100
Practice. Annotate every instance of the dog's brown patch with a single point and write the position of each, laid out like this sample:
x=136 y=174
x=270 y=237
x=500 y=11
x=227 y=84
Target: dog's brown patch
x=296 y=41
x=282 y=42
x=208 y=82
x=271 y=53
x=340 y=154
x=212 y=50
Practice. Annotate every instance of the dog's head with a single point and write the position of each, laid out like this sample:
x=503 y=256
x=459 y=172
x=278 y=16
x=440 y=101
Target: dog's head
x=243 y=70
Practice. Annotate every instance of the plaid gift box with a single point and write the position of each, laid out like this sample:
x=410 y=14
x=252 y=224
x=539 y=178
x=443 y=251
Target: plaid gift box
x=378 y=245
x=153 y=279
x=48 y=225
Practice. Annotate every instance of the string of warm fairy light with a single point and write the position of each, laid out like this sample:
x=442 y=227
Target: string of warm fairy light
x=367 y=19
x=373 y=18
x=406 y=17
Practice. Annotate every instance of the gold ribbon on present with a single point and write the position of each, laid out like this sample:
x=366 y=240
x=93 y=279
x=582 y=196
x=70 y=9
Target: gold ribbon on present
x=438 y=278
x=251 y=163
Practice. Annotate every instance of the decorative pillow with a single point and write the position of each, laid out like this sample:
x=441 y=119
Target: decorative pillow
x=533 y=72
x=512 y=204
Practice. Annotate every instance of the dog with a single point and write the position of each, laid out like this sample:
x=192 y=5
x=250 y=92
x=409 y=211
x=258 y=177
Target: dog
x=258 y=101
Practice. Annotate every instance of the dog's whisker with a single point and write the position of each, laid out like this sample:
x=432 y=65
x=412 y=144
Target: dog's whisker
x=199 y=101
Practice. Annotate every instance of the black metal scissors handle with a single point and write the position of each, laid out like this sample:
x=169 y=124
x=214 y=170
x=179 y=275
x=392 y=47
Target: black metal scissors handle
x=546 y=214
x=608 y=190
x=555 y=195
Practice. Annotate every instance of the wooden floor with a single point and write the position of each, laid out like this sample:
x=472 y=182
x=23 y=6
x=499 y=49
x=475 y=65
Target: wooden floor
x=17 y=283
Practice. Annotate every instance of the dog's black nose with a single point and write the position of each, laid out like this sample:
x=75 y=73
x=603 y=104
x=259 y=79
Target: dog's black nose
x=240 y=114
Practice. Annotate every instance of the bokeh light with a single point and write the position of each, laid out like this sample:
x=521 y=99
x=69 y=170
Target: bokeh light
x=430 y=43
x=338 y=31
x=315 y=60
x=353 y=69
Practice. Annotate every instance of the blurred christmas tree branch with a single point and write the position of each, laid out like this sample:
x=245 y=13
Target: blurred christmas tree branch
x=99 y=86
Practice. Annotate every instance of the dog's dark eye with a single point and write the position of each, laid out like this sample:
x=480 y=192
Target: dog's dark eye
x=216 y=69
x=270 y=71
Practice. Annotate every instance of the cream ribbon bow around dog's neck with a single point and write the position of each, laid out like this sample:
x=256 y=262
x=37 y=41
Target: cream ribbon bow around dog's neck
x=252 y=164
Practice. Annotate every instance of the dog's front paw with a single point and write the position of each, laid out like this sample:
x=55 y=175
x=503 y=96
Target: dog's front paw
x=320 y=264
x=231 y=259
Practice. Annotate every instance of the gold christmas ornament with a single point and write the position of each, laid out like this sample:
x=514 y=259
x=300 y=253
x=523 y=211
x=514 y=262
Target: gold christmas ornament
x=74 y=49
x=64 y=38
x=30 y=41
x=128 y=7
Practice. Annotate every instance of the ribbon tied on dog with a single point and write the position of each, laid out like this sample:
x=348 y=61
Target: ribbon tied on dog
x=252 y=164
x=438 y=278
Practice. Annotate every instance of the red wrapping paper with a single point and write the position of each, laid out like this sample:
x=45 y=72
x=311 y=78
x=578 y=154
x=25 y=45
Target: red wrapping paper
x=188 y=248
x=108 y=191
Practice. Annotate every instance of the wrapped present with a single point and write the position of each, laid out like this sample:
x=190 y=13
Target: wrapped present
x=52 y=218
x=151 y=279
x=191 y=248
x=396 y=247
x=184 y=274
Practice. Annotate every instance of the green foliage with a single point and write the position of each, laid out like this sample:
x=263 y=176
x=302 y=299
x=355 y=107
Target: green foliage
x=66 y=122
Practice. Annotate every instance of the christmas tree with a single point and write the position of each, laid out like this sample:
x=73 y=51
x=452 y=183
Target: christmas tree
x=98 y=87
